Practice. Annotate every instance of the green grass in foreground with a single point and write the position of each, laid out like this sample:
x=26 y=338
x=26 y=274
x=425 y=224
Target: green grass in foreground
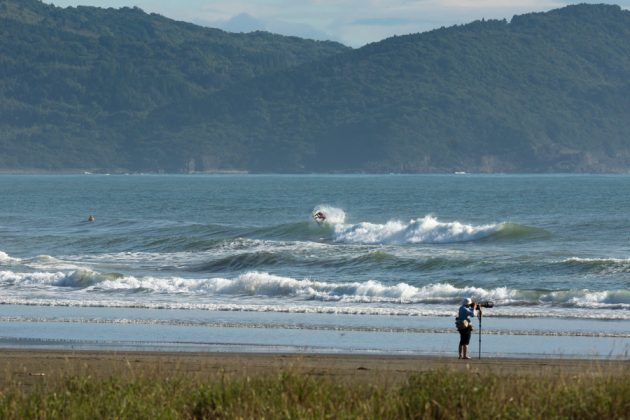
x=436 y=394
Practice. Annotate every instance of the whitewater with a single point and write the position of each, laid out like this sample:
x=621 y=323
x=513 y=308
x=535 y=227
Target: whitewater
x=230 y=261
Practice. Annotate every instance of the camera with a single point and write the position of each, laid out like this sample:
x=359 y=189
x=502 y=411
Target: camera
x=485 y=304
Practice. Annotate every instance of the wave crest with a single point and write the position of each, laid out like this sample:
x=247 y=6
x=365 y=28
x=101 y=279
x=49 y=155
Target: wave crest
x=74 y=279
x=6 y=259
x=427 y=230
x=264 y=285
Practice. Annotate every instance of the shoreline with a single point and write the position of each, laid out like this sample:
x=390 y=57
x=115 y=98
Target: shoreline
x=31 y=367
x=173 y=331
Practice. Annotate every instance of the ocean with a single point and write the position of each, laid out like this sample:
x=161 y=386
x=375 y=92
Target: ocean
x=237 y=263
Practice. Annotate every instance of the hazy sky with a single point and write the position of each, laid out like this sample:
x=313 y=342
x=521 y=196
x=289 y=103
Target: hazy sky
x=352 y=22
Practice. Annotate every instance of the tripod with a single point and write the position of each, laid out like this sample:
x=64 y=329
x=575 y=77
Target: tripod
x=480 y=332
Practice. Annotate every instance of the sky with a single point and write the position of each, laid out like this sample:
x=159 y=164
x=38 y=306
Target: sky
x=351 y=22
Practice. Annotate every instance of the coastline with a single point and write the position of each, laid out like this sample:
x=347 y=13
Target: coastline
x=197 y=331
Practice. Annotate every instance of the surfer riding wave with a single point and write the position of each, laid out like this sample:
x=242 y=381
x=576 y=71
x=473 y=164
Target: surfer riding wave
x=319 y=216
x=325 y=214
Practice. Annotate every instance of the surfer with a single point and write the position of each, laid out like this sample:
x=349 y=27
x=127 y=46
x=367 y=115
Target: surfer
x=319 y=216
x=91 y=218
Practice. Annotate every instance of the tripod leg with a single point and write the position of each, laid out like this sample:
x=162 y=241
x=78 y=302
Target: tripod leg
x=479 y=335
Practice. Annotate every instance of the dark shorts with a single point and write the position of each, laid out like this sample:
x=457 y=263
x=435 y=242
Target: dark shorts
x=464 y=336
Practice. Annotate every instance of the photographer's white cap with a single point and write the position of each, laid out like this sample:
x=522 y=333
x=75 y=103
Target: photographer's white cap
x=466 y=301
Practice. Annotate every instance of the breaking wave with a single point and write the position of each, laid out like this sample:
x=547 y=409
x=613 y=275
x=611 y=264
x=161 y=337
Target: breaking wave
x=79 y=278
x=6 y=259
x=426 y=230
x=264 y=285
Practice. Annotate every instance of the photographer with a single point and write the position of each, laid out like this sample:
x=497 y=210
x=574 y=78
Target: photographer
x=464 y=325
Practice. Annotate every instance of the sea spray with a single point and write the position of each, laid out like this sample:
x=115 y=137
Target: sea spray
x=428 y=230
x=333 y=215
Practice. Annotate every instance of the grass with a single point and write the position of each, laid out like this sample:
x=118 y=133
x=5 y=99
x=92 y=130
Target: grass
x=435 y=394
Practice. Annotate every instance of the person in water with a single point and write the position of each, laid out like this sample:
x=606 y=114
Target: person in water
x=319 y=217
x=464 y=325
x=91 y=218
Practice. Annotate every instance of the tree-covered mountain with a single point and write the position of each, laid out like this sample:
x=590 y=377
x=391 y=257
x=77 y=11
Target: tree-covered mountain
x=78 y=83
x=119 y=89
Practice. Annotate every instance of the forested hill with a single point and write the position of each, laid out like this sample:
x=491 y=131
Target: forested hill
x=94 y=89
x=78 y=83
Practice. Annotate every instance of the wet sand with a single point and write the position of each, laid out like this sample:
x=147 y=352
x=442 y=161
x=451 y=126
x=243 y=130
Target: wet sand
x=31 y=367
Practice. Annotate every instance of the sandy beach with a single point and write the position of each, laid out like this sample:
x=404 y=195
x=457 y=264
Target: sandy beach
x=30 y=367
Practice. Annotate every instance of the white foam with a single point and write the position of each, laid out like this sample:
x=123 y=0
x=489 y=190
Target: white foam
x=599 y=260
x=264 y=286
x=311 y=307
x=6 y=259
x=9 y=278
x=423 y=230
x=77 y=278
x=591 y=299
x=334 y=215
